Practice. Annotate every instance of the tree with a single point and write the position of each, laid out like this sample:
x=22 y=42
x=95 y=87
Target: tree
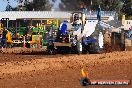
x=39 y=5
x=120 y=6
x=9 y=8
x=127 y=8
x=29 y=5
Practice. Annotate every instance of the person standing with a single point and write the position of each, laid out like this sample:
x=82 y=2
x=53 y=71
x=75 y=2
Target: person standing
x=4 y=33
x=130 y=32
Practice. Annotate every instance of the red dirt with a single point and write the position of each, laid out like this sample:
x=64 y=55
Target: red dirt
x=63 y=71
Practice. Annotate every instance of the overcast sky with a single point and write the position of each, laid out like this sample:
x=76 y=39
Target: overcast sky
x=3 y=4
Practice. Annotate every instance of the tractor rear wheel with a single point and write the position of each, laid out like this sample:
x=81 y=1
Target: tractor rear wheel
x=97 y=47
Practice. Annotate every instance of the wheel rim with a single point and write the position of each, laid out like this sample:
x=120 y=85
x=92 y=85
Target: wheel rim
x=80 y=47
x=100 y=39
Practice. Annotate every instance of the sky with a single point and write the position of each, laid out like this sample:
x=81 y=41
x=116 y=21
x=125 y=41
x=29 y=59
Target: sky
x=3 y=4
x=13 y=3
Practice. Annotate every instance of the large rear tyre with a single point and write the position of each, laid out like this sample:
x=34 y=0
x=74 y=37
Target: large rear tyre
x=98 y=46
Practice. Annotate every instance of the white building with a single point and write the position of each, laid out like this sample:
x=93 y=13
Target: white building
x=13 y=15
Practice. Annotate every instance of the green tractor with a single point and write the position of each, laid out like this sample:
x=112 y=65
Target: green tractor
x=38 y=37
x=17 y=36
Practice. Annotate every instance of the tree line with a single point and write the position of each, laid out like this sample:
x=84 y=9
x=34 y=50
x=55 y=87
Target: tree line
x=120 y=6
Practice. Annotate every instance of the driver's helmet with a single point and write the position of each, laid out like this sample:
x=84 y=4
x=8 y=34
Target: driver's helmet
x=76 y=17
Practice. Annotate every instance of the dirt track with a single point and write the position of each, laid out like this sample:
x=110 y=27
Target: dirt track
x=63 y=71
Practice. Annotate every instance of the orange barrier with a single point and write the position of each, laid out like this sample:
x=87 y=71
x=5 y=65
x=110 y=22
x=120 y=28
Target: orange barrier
x=24 y=42
x=84 y=74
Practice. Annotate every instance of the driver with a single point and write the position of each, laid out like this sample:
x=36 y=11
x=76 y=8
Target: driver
x=77 y=20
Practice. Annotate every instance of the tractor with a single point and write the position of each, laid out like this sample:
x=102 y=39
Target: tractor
x=78 y=36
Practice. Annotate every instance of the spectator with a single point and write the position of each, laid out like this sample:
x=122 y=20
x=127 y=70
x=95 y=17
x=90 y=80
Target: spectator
x=0 y=40
x=4 y=37
x=130 y=32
